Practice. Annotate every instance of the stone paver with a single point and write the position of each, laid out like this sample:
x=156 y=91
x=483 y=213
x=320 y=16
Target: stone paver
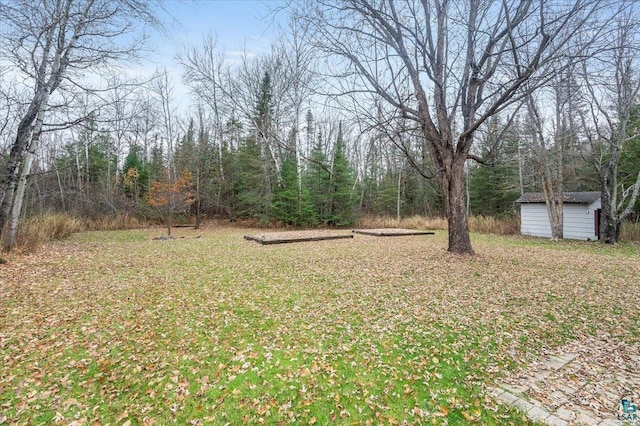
x=587 y=420
x=523 y=405
x=538 y=414
x=609 y=422
x=581 y=384
x=565 y=414
x=555 y=421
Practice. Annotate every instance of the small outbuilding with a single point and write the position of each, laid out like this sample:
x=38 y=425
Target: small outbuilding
x=581 y=215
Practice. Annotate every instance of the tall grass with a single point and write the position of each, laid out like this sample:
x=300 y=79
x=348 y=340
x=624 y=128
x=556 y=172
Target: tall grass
x=37 y=230
x=480 y=224
x=630 y=231
x=113 y=223
x=494 y=225
x=411 y=222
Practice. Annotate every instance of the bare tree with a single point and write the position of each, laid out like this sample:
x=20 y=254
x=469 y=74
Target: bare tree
x=448 y=65
x=123 y=109
x=548 y=157
x=51 y=44
x=612 y=81
x=203 y=69
x=237 y=85
x=163 y=88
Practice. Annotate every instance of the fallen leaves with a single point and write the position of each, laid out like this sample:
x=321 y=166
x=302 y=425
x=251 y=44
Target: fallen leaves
x=109 y=328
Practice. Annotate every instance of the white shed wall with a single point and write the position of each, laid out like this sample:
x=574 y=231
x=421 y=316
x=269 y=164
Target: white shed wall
x=579 y=222
x=534 y=220
x=578 y=219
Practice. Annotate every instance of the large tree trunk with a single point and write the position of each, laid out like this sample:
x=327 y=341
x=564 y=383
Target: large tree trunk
x=16 y=209
x=453 y=189
x=609 y=225
x=556 y=219
x=554 y=197
x=611 y=213
x=17 y=197
x=10 y=178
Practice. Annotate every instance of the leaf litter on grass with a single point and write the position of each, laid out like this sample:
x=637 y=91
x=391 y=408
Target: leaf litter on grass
x=105 y=328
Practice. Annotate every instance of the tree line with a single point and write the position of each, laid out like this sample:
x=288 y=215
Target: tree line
x=444 y=108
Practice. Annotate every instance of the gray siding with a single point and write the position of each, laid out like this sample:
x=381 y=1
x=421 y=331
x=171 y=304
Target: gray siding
x=579 y=220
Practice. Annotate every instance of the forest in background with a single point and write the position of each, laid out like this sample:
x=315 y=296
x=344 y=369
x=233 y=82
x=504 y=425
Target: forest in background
x=265 y=138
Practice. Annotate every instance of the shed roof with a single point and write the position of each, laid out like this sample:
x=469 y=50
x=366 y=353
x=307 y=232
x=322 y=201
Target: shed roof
x=569 y=197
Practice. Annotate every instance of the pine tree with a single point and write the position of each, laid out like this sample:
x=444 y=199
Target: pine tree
x=264 y=107
x=259 y=150
x=384 y=197
x=224 y=169
x=292 y=203
x=250 y=199
x=185 y=156
x=317 y=181
x=493 y=186
x=342 y=194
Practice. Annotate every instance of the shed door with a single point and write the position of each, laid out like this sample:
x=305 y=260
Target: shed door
x=596 y=219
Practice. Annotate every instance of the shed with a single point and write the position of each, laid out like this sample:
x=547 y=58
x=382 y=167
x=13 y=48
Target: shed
x=581 y=215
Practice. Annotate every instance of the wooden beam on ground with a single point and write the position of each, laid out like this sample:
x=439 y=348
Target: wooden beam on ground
x=391 y=232
x=265 y=241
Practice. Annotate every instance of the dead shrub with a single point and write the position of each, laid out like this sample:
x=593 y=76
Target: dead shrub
x=630 y=231
x=411 y=222
x=116 y=222
x=35 y=231
x=480 y=224
x=494 y=225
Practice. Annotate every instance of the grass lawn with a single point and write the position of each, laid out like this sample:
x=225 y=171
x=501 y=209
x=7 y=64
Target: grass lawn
x=117 y=328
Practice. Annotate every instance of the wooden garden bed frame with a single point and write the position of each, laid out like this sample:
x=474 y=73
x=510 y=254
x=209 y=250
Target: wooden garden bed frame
x=391 y=232
x=266 y=241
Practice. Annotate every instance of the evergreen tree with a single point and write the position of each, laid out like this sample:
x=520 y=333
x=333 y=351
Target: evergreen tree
x=309 y=128
x=421 y=196
x=156 y=167
x=264 y=107
x=262 y=140
x=317 y=181
x=250 y=199
x=385 y=195
x=225 y=171
x=493 y=186
x=342 y=195
x=185 y=156
x=292 y=204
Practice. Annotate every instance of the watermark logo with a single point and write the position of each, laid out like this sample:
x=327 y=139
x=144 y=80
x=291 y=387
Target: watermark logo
x=627 y=410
